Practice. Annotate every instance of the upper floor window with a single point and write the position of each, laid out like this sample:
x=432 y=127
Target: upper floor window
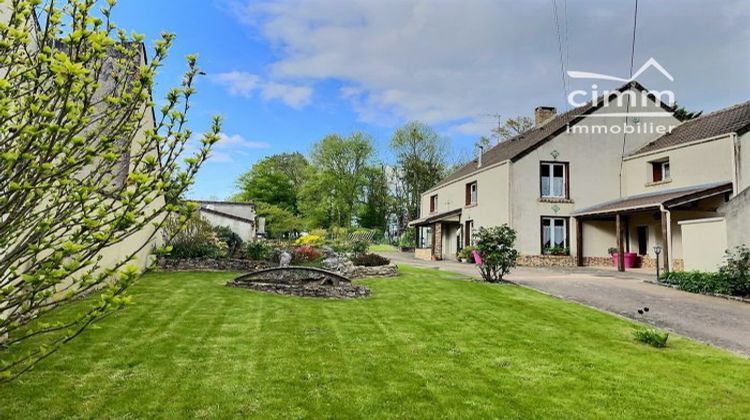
x=471 y=193
x=433 y=203
x=660 y=171
x=554 y=179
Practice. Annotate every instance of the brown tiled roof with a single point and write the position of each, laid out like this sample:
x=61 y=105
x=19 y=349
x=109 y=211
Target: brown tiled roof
x=518 y=146
x=653 y=200
x=735 y=119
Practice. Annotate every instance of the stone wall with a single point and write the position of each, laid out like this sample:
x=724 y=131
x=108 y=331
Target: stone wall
x=209 y=264
x=423 y=254
x=360 y=272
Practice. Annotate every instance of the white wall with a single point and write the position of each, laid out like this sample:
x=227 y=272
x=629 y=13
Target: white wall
x=703 y=243
x=245 y=230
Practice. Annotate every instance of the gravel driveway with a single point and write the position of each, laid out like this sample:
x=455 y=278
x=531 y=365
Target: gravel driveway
x=720 y=322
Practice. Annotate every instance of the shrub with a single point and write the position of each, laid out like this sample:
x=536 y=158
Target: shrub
x=341 y=247
x=305 y=254
x=466 y=252
x=651 y=336
x=495 y=246
x=370 y=260
x=319 y=232
x=257 y=250
x=737 y=270
x=310 y=240
x=229 y=237
x=196 y=239
x=360 y=246
x=407 y=239
x=699 y=282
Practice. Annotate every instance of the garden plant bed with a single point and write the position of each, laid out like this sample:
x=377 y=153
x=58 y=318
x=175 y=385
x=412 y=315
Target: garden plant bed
x=744 y=299
x=301 y=281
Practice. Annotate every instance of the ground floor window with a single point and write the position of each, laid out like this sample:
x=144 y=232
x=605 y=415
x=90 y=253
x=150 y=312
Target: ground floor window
x=554 y=235
x=425 y=237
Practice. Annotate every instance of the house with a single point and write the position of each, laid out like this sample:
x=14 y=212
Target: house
x=618 y=172
x=241 y=218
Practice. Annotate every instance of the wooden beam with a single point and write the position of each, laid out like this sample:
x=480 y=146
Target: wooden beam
x=579 y=241
x=620 y=248
x=664 y=242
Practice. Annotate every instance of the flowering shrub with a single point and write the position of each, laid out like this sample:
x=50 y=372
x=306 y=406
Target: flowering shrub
x=304 y=254
x=310 y=240
x=495 y=246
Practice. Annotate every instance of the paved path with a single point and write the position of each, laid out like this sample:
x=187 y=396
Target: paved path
x=712 y=320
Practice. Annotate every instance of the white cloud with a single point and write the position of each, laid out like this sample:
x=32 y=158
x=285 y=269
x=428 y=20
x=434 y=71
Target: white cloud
x=454 y=62
x=249 y=84
x=236 y=141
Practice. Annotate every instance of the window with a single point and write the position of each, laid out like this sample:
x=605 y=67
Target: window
x=660 y=171
x=554 y=233
x=433 y=203
x=469 y=233
x=471 y=193
x=425 y=237
x=554 y=179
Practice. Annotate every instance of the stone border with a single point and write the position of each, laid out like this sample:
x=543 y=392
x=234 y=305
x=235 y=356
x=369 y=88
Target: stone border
x=209 y=264
x=343 y=291
x=718 y=295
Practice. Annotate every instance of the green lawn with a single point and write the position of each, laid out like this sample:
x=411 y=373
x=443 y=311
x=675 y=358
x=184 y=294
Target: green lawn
x=383 y=248
x=424 y=345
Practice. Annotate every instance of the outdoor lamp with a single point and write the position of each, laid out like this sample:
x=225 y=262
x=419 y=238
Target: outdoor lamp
x=657 y=251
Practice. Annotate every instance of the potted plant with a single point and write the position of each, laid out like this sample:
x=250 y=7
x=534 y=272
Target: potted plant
x=612 y=251
x=630 y=258
x=556 y=250
x=464 y=255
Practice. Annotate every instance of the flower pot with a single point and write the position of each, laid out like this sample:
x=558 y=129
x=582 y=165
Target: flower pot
x=630 y=259
x=464 y=260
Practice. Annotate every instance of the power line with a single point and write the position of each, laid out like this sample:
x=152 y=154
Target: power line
x=560 y=50
x=632 y=45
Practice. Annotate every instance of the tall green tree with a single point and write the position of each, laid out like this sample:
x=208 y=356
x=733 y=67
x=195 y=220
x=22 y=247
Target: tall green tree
x=421 y=161
x=333 y=191
x=83 y=168
x=280 y=222
x=274 y=180
x=378 y=201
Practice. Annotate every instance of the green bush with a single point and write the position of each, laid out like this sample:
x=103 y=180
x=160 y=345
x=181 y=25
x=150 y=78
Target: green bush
x=360 y=246
x=195 y=239
x=699 y=282
x=257 y=250
x=652 y=337
x=495 y=246
x=737 y=270
x=370 y=260
x=407 y=239
x=466 y=253
x=229 y=237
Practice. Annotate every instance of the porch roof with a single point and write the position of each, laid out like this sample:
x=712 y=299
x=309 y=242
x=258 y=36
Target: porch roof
x=446 y=216
x=653 y=201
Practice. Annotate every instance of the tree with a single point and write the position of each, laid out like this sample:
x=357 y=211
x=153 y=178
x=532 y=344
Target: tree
x=684 y=115
x=511 y=127
x=377 y=203
x=420 y=164
x=275 y=180
x=333 y=190
x=280 y=222
x=83 y=167
x=495 y=246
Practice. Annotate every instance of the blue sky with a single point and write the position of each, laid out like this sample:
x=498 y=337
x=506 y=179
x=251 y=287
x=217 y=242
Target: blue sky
x=284 y=74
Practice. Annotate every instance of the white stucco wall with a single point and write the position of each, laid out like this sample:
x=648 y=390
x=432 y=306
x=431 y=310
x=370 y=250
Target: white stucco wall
x=703 y=243
x=594 y=165
x=244 y=229
x=694 y=164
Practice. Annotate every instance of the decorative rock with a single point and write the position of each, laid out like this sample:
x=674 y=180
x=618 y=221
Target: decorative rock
x=209 y=264
x=347 y=269
x=301 y=281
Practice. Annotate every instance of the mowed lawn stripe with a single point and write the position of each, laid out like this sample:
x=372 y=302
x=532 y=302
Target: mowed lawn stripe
x=426 y=344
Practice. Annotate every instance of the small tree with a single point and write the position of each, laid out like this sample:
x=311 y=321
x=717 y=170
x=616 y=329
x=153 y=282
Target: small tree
x=495 y=246
x=84 y=166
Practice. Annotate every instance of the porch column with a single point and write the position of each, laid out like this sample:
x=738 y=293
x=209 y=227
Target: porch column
x=620 y=248
x=437 y=242
x=579 y=241
x=665 y=241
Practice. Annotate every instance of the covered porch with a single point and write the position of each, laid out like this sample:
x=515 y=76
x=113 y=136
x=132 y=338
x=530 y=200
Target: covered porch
x=646 y=223
x=439 y=236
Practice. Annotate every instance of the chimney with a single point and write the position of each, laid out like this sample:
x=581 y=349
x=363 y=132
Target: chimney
x=542 y=114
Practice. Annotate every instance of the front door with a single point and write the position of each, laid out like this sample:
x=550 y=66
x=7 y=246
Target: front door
x=642 y=240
